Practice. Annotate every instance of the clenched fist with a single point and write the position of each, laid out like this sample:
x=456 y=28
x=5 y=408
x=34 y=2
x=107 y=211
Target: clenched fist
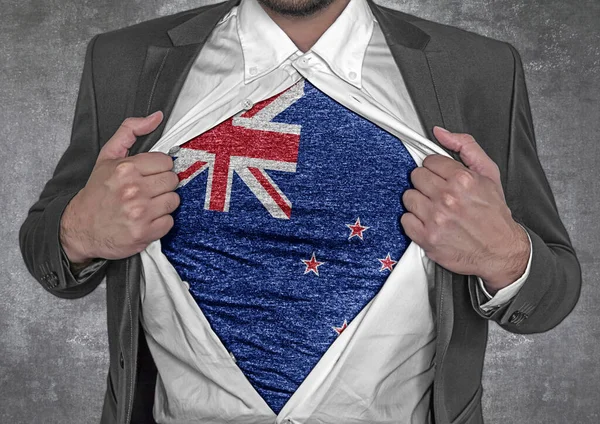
x=457 y=213
x=127 y=201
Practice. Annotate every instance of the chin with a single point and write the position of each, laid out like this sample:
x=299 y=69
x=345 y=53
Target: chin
x=296 y=7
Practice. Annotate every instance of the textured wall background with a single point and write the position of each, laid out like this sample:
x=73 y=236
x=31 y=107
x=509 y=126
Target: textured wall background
x=53 y=352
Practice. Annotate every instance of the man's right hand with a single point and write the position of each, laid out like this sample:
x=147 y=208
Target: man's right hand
x=127 y=201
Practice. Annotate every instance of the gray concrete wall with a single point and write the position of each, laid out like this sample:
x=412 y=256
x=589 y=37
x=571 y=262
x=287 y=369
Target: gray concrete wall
x=53 y=353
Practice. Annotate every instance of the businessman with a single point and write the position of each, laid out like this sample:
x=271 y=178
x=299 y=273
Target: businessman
x=306 y=211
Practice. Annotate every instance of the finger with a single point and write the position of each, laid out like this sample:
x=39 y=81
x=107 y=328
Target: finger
x=444 y=167
x=417 y=203
x=426 y=181
x=413 y=227
x=151 y=163
x=119 y=144
x=163 y=204
x=158 y=184
x=160 y=227
x=471 y=153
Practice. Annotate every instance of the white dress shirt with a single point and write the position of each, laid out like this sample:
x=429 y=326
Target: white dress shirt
x=248 y=58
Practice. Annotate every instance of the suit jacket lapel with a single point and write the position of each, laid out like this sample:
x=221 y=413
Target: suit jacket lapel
x=408 y=45
x=166 y=68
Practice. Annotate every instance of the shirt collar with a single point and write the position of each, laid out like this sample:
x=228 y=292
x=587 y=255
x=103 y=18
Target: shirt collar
x=266 y=46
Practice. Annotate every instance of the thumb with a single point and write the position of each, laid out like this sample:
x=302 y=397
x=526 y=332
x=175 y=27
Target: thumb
x=119 y=144
x=471 y=153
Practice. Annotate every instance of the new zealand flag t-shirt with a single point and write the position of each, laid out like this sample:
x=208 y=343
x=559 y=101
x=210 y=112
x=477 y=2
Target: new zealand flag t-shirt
x=289 y=224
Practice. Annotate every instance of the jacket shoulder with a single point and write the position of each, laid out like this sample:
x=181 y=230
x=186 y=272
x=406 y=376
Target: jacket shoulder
x=117 y=59
x=478 y=66
x=129 y=39
x=459 y=43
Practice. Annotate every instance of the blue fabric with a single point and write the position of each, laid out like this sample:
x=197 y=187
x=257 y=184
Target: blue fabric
x=245 y=267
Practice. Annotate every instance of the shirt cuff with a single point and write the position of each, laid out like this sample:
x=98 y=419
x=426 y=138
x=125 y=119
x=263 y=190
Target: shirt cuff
x=506 y=294
x=81 y=275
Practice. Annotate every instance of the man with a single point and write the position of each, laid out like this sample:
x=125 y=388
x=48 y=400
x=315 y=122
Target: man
x=239 y=252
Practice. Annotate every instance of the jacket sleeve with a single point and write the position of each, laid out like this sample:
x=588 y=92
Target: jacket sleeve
x=39 y=234
x=554 y=282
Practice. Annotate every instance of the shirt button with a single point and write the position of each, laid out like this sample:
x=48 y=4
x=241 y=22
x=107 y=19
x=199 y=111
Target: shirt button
x=303 y=61
x=253 y=70
x=352 y=75
x=247 y=104
x=173 y=150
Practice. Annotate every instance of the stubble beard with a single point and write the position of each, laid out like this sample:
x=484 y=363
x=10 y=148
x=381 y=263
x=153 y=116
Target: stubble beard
x=295 y=8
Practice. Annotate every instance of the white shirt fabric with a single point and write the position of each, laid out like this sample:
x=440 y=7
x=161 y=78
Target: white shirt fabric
x=379 y=370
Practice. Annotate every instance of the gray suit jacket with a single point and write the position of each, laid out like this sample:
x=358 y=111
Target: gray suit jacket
x=457 y=79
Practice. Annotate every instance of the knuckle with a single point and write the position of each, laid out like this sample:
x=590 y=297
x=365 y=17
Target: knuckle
x=128 y=122
x=172 y=202
x=449 y=200
x=160 y=156
x=439 y=218
x=135 y=213
x=139 y=247
x=406 y=196
x=401 y=217
x=415 y=172
x=468 y=137
x=124 y=168
x=432 y=254
x=137 y=235
x=163 y=226
x=172 y=180
x=495 y=169
x=169 y=206
x=432 y=237
x=164 y=182
x=169 y=223
x=427 y=160
x=407 y=200
x=136 y=238
x=168 y=160
x=404 y=219
x=129 y=191
x=143 y=157
x=176 y=199
x=464 y=178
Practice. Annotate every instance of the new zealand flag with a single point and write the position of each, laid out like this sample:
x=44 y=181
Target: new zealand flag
x=289 y=224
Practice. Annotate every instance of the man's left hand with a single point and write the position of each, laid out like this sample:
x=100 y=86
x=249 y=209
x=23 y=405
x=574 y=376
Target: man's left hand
x=458 y=214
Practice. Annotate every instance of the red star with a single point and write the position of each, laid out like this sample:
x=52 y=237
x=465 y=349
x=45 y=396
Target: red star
x=387 y=263
x=339 y=330
x=357 y=229
x=312 y=265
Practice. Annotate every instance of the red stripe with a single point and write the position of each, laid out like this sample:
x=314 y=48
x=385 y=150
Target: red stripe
x=287 y=209
x=218 y=186
x=188 y=172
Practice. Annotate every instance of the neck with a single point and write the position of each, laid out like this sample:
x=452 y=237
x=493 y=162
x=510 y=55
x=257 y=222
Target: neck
x=304 y=31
